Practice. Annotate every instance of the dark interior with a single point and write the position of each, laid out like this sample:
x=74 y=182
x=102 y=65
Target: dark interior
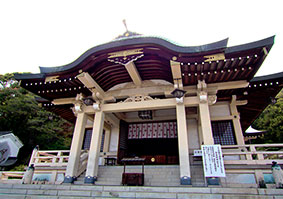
x=155 y=150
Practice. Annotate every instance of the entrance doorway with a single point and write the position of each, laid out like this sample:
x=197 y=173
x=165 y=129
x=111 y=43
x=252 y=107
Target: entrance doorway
x=155 y=151
x=157 y=142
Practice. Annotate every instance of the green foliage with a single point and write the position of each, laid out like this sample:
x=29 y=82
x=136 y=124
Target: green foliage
x=271 y=120
x=7 y=80
x=20 y=167
x=20 y=113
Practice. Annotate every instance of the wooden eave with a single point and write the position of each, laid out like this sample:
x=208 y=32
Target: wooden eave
x=240 y=63
x=258 y=95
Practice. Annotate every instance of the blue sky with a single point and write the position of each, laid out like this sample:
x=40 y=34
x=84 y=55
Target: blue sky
x=37 y=33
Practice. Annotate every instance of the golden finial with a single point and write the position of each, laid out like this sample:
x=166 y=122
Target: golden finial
x=125 y=24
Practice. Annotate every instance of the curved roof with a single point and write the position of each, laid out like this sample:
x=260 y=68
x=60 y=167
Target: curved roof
x=240 y=63
x=155 y=64
x=136 y=42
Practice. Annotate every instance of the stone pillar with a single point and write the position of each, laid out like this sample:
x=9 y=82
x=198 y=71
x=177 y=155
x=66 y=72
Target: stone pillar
x=94 y=150
x=27 y=179
x=76 y=147
x=237 y=124
x=277 y=175
x=183 y=144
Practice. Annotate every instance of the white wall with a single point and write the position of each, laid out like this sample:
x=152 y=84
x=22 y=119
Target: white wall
x=114 y=138
x=219 y=110
x=192 y=128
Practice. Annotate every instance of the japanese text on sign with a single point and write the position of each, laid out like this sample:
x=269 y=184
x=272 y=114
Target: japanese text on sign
x=213 y=165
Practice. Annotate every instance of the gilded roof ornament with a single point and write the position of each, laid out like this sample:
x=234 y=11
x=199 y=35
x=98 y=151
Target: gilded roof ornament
x=125 y=56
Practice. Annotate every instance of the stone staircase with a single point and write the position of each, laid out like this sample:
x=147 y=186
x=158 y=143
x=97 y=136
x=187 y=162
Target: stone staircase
x=36 y=191
x=197 y=176
x=160 y=175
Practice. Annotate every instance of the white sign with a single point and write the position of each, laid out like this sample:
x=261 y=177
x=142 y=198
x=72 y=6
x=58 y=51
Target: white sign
x=213 y=165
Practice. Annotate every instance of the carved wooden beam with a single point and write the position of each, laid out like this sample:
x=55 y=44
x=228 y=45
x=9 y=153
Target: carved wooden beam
x=167 y=89
x=89 y=82
x=236 y=102
x=143 y=105
x=177 y=74
x=133 y=72
x=63 y=101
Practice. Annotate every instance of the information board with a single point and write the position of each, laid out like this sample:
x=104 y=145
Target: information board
x=213 y=165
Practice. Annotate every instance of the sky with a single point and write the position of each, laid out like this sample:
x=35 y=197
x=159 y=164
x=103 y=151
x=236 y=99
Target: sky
x=51 y=33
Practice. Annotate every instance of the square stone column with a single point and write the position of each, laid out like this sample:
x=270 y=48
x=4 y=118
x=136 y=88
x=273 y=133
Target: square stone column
x=183 y=144
x=94 y=150
x=76 y=148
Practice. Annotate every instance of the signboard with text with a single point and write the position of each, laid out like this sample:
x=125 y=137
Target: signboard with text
x=213 y=165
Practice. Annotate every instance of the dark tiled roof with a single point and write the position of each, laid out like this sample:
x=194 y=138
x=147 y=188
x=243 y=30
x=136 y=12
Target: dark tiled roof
x=5 y=132
x=241 y=63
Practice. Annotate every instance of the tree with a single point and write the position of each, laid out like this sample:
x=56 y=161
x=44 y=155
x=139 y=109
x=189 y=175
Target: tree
x=20 y=113
x=7 y=80
x=271 y=120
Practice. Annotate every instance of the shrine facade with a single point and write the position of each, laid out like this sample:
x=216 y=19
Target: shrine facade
x=147 y=97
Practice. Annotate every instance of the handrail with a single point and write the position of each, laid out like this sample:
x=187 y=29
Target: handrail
x=253 y=145
x=241 y=154
x=11 y=177
x=53 y=158
x=259 y=154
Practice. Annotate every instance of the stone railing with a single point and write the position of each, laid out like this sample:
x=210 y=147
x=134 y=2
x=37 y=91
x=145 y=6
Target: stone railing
x=49 y=158
x=11 y=176
x=254 y=154
x=55 y=158
x=55 y=162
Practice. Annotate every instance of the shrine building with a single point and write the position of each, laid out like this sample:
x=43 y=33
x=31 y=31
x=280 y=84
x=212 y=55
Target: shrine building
x=147 y=97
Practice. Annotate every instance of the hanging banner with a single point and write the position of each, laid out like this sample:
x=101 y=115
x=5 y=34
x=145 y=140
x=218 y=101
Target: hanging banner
x=152 y=130
x=213 y=165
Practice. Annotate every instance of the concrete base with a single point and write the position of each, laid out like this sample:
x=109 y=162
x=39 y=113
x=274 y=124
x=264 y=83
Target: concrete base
x=213 y=181
x=69 y=179
x=185 y=180
x=90 y=180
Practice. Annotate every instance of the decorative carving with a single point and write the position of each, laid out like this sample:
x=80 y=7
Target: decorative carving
x=138 y=98
x=212 y=99
x=96 y=106
x=214 y=57
x=78 y=108
x=202 y=97
x=52 y=78
x=126 y=56
x=201 y=85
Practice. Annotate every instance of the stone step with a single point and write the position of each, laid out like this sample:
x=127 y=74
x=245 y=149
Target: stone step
x=154 y=175
x=77 y=191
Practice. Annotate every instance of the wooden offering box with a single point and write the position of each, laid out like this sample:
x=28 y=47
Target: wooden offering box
x=133 y=179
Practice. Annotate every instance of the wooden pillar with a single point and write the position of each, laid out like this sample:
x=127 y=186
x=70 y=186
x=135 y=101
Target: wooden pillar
x=183 y=144
x=76 y=147
x=205 y=122
x=236 y=122
x=94 y=150
x=206 y=130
